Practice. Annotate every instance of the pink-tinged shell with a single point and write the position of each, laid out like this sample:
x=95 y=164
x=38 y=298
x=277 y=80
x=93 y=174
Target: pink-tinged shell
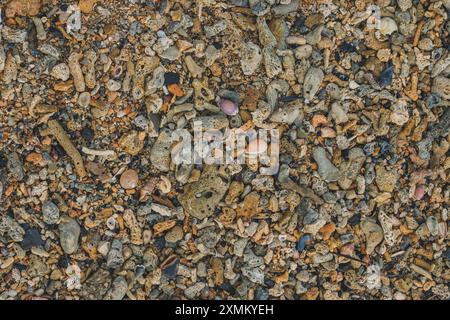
x=419 y=193
x=256 y=146
x=228 y=107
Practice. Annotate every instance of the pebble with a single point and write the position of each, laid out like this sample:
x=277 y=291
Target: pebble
x=50 y=212
x=118 y=289
x=313 y=80
x=388 y=26
x=174 y=235
x=356 y=196
x=32 y=238
x=373 y=233
x=61 y=72
x=419 y=192
x=69 y=233
x=228 y=107
x=115 y=257
x=129 y=179
x=326 y=169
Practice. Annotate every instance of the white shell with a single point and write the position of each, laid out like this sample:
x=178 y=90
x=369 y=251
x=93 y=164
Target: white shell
x=388 y=26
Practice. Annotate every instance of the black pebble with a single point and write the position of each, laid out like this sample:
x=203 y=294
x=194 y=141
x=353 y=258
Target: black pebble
x=343 y=267
x=59 y=150
x=2 y=161
x=228 y=288
x=269 y=283
x=171 y=271
x=341 y=76
x=261 y=294
x=386 y=76
x=354 y=220
x=218 y=45
x=87 y=134
x=446 y=254
x=63 y=262
x=19 y=266
x=347 y=47
x=31 y=239
x=160 y=243
x=171 y=78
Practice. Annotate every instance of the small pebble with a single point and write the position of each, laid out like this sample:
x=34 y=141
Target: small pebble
x=129 y=179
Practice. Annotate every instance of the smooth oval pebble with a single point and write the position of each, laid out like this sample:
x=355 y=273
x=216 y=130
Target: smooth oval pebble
x=129 y=179
x=84 y=99
x=69 y=232
x=228 y=107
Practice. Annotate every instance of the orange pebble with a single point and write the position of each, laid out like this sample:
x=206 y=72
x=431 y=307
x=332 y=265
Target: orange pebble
x=327 y=230
x=318 y=120
x=176 y=90
x=35 y=158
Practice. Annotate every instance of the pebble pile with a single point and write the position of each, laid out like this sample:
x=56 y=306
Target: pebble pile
x=93 y=207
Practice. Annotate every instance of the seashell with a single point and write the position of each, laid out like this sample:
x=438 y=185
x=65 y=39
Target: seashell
x=228 y=107
x=388 y=26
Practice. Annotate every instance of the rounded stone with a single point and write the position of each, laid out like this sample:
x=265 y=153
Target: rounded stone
x=129 y=179
x=228 y=107
x=69 y=232
x=174 y=235
x=257 y=146
x=84 y=99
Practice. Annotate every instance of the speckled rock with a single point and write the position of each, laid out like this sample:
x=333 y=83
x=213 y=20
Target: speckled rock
x=69 y=232
x=201 y=198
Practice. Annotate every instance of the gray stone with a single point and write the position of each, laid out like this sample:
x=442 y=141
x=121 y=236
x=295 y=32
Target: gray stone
x=160 y=153
x=69 y=232
x=326 y=169
x=115 y=256
x=172 y=53
x=350 y=169
x=313 y=80
x=96 y=285
x=11 y=228
x=15 y=166
x=118 y=289
x=50 y=212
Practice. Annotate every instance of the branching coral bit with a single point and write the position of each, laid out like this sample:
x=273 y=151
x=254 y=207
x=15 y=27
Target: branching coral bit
x=143 y=67
x=75 y=71
x=56 y=130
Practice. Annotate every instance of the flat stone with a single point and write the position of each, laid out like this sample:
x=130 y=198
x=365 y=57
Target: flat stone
x=326 y=170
